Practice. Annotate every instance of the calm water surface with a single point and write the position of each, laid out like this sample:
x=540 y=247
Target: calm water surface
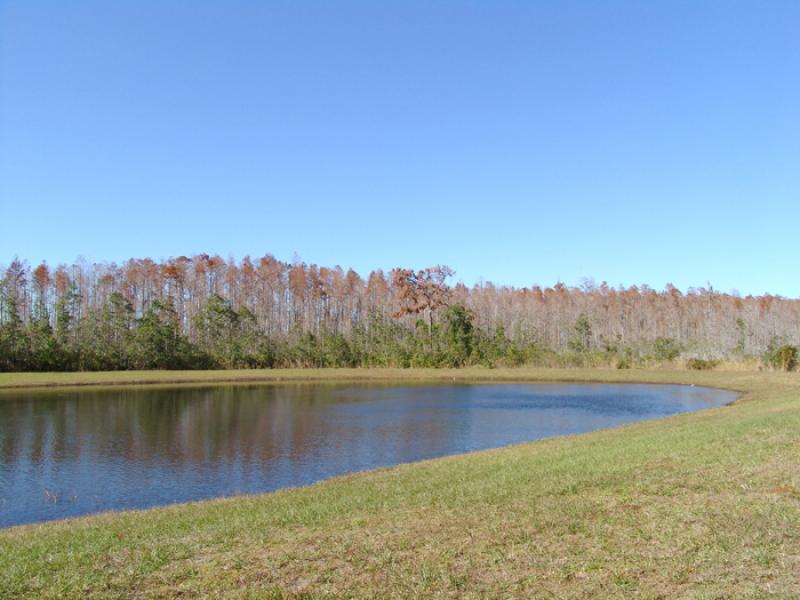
x=65 y=454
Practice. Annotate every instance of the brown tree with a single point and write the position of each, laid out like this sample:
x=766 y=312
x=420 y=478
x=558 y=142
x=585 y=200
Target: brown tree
x=421 y=291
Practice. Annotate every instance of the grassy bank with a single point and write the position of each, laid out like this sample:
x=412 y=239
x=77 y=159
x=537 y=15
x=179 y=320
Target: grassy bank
x=11 y=381
x=706 y=504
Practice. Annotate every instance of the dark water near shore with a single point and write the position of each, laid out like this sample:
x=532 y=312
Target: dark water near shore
x=70 y=453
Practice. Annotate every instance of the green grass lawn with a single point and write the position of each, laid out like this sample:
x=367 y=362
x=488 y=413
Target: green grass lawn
x=701 y=505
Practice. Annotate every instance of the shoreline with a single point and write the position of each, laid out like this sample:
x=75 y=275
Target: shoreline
x=10 y=382
x=737 y=397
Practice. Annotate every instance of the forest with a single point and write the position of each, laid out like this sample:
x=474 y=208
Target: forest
x=206 y=312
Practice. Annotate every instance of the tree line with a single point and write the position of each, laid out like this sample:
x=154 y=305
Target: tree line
x=207 y=312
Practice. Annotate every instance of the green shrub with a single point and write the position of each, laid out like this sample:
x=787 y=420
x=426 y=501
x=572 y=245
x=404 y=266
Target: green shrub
x=783 y=358
x=701 y=364
x=666 y=349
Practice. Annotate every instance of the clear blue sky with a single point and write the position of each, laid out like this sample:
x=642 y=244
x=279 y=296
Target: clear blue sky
x=522 y=142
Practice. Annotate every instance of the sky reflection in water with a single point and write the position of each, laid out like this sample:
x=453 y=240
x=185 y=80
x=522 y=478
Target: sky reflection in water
x=70 y=453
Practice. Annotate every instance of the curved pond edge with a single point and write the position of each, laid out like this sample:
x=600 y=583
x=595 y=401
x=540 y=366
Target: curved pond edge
x=739 y=395
x=17 y=382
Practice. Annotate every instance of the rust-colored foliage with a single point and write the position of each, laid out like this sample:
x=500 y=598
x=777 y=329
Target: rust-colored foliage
x=420 y=291
x=287 y=298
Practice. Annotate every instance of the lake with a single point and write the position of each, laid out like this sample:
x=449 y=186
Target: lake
x=69 y=453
